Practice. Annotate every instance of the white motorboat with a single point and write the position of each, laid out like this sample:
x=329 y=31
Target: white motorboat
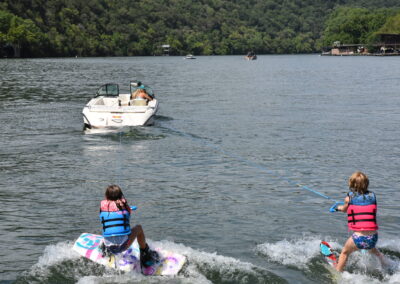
x=189 y=56
x=109 y=108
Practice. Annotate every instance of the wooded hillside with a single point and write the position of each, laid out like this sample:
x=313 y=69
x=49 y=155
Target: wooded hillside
x=127 y=27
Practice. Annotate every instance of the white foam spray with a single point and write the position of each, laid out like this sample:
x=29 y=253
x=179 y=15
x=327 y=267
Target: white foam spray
x=299 y=253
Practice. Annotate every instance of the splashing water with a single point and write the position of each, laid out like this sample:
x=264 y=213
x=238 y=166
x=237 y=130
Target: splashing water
x=362 y=267
x=59 y=263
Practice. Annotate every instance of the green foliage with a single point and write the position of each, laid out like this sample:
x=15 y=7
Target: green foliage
x=140 y=27
x=20 y=33
x=355 y=25
x=391 y=26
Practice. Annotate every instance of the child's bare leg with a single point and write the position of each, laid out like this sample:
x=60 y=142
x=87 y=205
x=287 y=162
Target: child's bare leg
x=380 y=256
x=137 y=232
x=349 y=248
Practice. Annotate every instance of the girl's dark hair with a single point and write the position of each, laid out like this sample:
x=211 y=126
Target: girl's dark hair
x=114 y=193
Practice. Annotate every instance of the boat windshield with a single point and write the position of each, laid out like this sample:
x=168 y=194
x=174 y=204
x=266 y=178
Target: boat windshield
x=110 y=89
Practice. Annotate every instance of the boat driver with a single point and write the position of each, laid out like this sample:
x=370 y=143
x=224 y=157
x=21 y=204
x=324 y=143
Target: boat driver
x=140 y=93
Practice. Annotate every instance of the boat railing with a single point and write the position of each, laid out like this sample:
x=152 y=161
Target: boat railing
x=121 y=102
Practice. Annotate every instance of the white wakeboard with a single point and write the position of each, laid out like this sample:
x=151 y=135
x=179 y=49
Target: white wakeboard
x=89 y=246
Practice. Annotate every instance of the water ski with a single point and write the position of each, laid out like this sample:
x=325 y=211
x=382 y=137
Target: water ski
x=328 y=253
x=89 y=246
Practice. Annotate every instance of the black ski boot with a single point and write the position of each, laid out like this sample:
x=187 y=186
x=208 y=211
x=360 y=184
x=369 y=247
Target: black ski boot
x=148 y=257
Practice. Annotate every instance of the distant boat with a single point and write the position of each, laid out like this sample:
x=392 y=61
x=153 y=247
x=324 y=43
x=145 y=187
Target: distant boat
x=251 y=56
x=189 y=56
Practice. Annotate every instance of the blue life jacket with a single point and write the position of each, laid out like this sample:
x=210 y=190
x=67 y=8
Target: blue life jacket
x=115 y=223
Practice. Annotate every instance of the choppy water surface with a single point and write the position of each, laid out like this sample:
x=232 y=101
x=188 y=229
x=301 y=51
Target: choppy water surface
x=210 y=177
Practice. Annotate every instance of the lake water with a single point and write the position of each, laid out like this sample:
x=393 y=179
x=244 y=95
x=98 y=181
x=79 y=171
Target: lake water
x=219 y=176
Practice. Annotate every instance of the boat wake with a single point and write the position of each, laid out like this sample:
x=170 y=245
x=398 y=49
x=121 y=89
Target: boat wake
x=304 y=254
x=136 y=133
x=60 y=264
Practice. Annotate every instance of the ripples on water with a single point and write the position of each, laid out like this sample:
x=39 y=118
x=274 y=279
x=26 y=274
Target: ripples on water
x=208 y=176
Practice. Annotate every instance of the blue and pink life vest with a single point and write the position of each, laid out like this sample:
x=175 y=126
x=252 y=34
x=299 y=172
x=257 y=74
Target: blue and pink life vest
x=115 y=221
x=361 y=213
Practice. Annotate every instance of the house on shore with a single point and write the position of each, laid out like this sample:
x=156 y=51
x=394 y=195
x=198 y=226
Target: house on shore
x=166 y=49
x=387 y=45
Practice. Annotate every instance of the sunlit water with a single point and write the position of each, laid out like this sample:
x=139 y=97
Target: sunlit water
x=214 y=178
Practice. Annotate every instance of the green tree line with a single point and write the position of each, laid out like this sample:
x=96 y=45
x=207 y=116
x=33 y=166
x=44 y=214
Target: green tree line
x=139 y=27
x=360 y=25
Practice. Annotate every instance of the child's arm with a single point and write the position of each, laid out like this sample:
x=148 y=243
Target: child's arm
x=343 y=208
x=128 y=207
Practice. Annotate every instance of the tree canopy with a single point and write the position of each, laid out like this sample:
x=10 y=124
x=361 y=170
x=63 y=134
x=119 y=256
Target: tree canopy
x=391 y=26
x=140 y=27
x=359 y=25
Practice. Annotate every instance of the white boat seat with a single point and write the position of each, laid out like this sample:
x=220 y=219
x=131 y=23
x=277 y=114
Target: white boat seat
x=139 y=102
x=124 y=99
x=109 y=101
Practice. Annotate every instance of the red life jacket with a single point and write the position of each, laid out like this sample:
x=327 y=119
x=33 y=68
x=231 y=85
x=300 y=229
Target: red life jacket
x=361 y=213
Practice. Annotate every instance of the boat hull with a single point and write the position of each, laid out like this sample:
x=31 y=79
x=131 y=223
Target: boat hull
x=119 y=116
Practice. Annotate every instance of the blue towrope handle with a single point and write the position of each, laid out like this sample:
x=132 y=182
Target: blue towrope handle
x=334 y=206
x=133 y=207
